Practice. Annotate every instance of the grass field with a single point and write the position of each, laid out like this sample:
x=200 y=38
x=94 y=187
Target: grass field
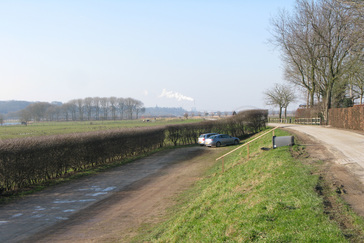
x=55 y=128
x=271 y=197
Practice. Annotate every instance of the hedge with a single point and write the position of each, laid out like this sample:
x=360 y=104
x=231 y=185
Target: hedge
x=28 y=161
x=348 y=118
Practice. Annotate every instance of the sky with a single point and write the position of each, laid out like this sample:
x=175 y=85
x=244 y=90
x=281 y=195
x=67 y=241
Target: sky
x=209 y=55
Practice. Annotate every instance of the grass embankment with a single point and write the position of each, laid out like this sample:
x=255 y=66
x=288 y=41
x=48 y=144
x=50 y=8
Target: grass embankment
x=271 y=197
x=56 y=128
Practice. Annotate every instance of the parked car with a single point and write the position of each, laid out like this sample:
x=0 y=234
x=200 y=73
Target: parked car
x=202 y=138
x=221 y=139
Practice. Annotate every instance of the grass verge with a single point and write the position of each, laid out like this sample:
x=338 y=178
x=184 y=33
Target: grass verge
x=272 y=197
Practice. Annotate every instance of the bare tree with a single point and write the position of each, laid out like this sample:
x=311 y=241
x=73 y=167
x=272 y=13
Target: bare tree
x=138 y=108
x=129 y=107
x=356 y=79
x=72 y=106
x=320 y=43
x=1 y=119
x=88 y=107
x=121 y=107
x=53 y=112
x=299 y=51
x=104 y=102
x=25 y=116
x=96 y=104
x=281 y=96
x=38 y=110
x=65 y=110
x=80 y=108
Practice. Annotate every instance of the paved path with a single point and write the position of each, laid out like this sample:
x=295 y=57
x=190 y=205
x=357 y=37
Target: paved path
x=347 y=146
x=35 y=213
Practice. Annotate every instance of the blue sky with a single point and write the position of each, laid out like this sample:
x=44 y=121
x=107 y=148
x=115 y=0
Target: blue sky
x=212 y=55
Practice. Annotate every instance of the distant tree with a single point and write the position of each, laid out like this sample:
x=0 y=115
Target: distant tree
x=142 y=110
x=72 y=108
x=96 y=104
x=38 y=110
x=65 y=111
x=1 y=119
x=280 y=95
x=186 y=115
x=53 y=112
x=88 y=104
x=113 y=106
x=80 y=108
x=121 y=107
x=25 y=116
x=104 y=102
x=129 y=105
x=138 y=107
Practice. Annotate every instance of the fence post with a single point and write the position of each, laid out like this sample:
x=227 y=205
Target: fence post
x=247 y=146
x=222 y=169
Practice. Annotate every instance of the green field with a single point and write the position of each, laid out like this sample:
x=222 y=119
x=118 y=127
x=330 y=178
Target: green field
x=55 y=128
x=272 y=197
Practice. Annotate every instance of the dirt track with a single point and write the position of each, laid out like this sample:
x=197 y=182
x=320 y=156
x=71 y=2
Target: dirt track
x=110 y=206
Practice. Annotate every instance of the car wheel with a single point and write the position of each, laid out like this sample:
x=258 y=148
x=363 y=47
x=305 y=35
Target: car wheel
x=218 y=144
x=236 y=142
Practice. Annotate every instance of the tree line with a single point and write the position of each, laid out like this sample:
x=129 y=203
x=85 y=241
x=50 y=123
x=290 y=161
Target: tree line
x=321 y=45
x=90 y=108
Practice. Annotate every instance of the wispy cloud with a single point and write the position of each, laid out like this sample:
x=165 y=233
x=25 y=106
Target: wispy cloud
x=175 y=95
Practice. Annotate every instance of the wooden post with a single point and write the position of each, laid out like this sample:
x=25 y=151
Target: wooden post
x=273 y=133
x=247 y=146
x=222 y=169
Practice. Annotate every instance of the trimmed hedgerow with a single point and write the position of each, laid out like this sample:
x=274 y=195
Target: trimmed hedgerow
x=28 y=161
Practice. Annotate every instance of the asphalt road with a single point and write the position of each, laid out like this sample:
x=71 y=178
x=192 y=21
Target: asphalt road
x=41 y=211
x=346 y=146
